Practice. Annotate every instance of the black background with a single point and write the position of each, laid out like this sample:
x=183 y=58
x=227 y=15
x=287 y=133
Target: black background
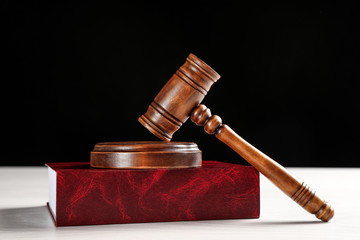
x=79 y=73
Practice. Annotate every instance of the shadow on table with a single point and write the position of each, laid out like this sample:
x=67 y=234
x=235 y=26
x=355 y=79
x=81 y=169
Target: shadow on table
x=238 y=223
x=291 y=222
x=38 y=218
x=25 y=218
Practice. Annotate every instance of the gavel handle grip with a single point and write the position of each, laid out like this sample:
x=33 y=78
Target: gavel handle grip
x=296 y=190
x=299 y=192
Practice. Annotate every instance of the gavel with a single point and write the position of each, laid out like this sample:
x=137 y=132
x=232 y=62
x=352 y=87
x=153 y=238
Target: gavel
x=181 y=98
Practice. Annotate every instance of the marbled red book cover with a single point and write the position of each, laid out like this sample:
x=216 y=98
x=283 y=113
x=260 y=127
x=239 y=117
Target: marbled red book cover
x=217 y=190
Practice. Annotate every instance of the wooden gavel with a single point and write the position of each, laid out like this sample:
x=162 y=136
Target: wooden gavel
x=181 y=98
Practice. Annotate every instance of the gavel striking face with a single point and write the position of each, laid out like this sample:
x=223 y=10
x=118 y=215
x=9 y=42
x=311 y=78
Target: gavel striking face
x=180 y=98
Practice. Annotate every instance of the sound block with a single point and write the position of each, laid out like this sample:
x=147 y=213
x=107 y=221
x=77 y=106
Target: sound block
x=145 y=155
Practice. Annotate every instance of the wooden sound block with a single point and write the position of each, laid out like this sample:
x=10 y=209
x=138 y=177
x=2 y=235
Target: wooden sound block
x=145 y=155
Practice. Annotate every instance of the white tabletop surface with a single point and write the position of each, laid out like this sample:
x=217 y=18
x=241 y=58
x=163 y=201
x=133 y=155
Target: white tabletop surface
x=23 y=213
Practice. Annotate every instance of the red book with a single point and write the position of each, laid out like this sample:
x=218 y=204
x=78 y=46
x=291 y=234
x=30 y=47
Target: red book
x=80 y=195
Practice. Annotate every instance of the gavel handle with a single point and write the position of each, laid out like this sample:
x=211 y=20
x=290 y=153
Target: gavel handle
x=296 y=190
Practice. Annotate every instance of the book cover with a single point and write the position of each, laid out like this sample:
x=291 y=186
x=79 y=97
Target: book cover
x=81 y=195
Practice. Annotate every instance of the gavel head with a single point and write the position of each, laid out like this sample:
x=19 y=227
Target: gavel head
x=181 y=94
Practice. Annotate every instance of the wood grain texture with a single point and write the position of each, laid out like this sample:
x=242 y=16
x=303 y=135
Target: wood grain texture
x=172 y=106
x=276 y=173
x=181 y=97
x=145 y=155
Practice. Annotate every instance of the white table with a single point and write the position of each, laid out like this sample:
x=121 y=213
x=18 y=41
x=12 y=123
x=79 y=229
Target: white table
x=23 y=214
